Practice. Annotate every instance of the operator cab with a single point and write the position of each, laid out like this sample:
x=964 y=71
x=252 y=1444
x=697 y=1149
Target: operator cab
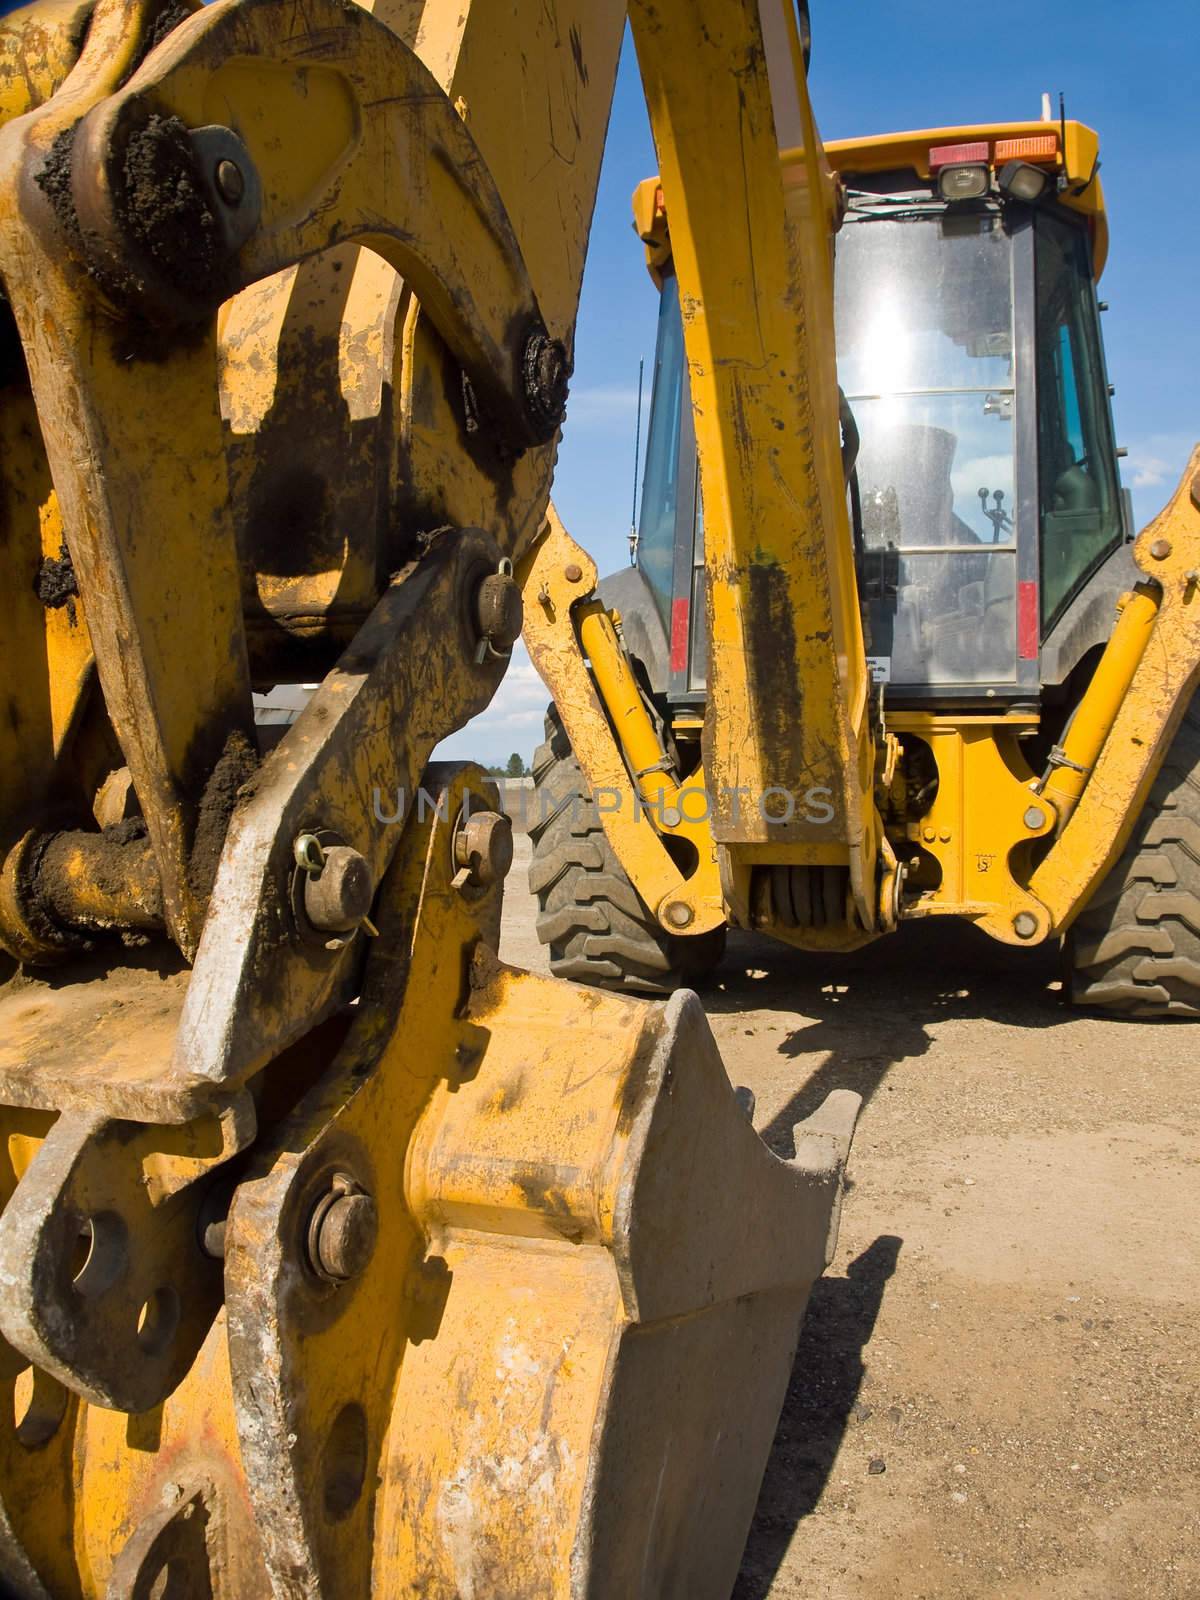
x=986 y=492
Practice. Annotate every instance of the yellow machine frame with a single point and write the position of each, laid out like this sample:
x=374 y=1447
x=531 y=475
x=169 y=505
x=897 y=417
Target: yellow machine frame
x=1014 y=854
x=339 y=1258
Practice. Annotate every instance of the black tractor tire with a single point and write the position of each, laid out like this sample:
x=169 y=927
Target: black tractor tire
x=599 y=929
x=1135 y=950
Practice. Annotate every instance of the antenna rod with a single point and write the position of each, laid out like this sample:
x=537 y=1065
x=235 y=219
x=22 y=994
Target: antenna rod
x=637 y=459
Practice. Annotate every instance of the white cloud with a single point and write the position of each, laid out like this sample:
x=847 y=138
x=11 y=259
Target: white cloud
x=1151 y=470
x=513 y=721
x=1147 y=472
x=1157 y=460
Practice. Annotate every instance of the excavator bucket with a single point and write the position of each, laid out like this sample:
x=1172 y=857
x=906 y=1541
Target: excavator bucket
x=504 y=1304
x=337 y=1258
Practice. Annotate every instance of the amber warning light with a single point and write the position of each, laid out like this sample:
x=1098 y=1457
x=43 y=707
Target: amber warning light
x=1031 y=147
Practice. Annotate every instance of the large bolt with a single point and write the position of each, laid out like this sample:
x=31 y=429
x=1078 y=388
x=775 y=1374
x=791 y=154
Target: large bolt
x=212 y=1240
x=211 y=1222
x=498 y=611
x=337 y=898
x=342 y=1231
x=546 y=371
x=679 y=914
x=1160 y=549
x=231 y=182
x=483 y=848
x=1034 y=817
x=1025 y=925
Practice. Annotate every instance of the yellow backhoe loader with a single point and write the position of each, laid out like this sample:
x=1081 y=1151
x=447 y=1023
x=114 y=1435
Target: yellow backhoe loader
x=337 y=1258
x=888 y=650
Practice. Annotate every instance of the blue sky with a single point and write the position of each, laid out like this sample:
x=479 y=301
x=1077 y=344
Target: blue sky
x=1127 y=71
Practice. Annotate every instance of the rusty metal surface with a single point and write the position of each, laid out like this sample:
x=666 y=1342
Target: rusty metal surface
x=302 y=1371
x=272 y=1227
x=340 y=349
x=39 y=45
x=347 y=136
x=176 y=700
x=100 y=1042
x=360 y=744
x=93 y=882
x=112 y=427
x=46 y=699
x=388 y=161
x=37 y=1419
x=122 y=1328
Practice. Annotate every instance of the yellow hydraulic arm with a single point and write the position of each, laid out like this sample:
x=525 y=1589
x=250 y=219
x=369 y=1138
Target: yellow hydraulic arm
x=789 y=752
x=339 y=1258
x=789 y=743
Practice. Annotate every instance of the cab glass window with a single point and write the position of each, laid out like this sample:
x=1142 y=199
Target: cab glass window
x=660 y=485
x=1077 y=481
x=926 y=359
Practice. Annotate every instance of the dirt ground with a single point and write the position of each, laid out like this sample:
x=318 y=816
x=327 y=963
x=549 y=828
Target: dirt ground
x=997 y=1385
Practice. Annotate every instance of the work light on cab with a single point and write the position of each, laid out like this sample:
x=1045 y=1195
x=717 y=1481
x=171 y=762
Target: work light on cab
x=1020 y=181
x=962 y=170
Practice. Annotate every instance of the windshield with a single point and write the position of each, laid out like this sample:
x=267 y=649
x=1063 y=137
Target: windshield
x=925 y=357
x=660 y=485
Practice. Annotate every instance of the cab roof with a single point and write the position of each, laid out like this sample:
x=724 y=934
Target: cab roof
x=1039 y=143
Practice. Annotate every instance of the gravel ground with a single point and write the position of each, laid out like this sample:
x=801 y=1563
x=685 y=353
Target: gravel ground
x=996 y=1389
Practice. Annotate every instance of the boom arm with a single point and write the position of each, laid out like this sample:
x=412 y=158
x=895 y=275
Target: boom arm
x=789 y=752
x=789 y=748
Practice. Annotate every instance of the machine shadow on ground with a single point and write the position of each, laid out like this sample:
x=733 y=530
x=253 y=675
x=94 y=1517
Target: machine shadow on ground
x=843 y=1022
x=822 y=1394
x=869 y=1011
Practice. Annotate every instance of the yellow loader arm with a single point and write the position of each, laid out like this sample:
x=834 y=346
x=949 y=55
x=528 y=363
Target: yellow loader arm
x=339 y=1259
x=790 y=731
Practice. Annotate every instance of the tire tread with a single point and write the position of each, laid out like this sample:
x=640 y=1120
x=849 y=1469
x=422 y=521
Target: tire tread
x=598 y=928
x=1135 y=949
